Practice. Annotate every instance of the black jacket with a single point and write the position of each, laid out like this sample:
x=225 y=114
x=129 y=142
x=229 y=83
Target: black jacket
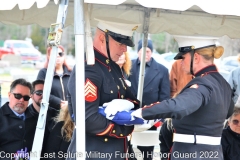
x=16 y=134
x=57 y=92
x=166 y=139
x=231 y=144
x=56 y=144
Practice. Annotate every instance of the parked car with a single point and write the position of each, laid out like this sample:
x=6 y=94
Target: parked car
x=28 y=53
x=4 y=51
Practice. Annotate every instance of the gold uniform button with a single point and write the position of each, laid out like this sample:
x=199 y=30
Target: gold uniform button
x=111 y=91
x=122 y=96
x=105 y=139
x=113 y=131
x=118 y=87
x=121 y=135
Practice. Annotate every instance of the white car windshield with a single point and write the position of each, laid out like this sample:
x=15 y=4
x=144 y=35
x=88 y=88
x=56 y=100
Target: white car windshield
x=20 y=45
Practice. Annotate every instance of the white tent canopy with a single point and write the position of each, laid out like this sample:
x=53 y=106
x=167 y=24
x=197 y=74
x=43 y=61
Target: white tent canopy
x=182 y=17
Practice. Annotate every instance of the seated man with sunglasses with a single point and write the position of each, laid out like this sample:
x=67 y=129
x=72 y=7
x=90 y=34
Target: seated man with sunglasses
x=36 y=103
x=17 y=123
x=230 y=137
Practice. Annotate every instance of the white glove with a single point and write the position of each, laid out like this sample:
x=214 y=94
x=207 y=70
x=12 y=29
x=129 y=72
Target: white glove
x=117 y=105
x=128 y=83
x=143 y=127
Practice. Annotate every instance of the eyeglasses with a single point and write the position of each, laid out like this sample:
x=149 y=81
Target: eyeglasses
x=61 y=54
x=235 y=122
x=38 y=92
x=19 y=96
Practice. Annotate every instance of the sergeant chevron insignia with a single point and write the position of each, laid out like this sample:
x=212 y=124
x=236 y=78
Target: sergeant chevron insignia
x=90 y=91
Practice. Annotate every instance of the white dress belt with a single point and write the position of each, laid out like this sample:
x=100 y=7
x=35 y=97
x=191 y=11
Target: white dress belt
x=186 y=138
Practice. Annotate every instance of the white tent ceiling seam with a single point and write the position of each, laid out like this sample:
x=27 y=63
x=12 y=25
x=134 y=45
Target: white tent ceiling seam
x=175 y=19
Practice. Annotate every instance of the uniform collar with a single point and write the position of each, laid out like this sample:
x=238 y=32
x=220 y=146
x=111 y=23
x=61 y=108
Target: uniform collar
x=99 y=56
x=206 y=70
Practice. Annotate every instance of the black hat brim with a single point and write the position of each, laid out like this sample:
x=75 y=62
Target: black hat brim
x=127 y=41
x=179 y=55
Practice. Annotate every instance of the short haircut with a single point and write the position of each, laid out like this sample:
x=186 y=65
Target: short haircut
x=36 y=82
x=236 y=111
x=22 y=82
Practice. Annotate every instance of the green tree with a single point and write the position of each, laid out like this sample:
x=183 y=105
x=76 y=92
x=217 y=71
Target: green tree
x=38 y=38
x=164 y=43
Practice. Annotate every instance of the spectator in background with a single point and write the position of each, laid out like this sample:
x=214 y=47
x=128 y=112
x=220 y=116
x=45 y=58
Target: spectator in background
x=17 y=123
x=230 y=137
x=234 y=81
x=178 y=77
x=125 y=64
x=58 y=95
x=34 y=108
x=156 y=84
x=60 y=136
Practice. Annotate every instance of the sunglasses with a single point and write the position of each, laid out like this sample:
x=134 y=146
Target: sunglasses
x=235 y=122
x=38 y=92
x=60 y=54
x=19 y=96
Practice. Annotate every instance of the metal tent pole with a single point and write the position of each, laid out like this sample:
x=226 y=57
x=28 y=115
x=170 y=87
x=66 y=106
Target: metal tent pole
x=143 y=62
x=40 y=128
x=79 y=25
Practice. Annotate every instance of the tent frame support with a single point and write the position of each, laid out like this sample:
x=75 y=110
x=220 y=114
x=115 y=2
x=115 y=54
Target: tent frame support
x=79 y=25
x=143 y=61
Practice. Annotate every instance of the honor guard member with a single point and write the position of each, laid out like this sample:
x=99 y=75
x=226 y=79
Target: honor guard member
x=103 y=83
x=200 y=109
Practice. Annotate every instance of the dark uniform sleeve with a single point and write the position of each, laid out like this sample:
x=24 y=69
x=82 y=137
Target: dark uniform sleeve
x=230 y=111
x=184 y=104
x=97 y=124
